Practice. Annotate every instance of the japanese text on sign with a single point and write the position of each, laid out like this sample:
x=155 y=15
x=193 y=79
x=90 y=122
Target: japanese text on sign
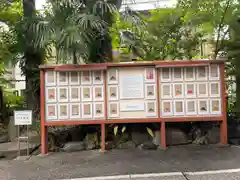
x=23 y=117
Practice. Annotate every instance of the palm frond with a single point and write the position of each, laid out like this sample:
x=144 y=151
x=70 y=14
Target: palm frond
x=71 y=27
x=102 y=7
x=43 y=33
x=131 y=16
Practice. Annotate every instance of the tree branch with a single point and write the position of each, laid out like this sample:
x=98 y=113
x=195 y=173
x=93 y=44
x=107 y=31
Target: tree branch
x=220 y=26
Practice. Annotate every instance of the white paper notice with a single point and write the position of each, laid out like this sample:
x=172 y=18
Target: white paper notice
x=131 y=87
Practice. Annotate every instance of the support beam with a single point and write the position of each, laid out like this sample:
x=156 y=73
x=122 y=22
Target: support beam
x=163 y=135
x=103 y=137
x=44 y=130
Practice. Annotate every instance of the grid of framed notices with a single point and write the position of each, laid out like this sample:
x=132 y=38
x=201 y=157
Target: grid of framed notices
x=133 y=92
x=190 y=91
x=74 y=95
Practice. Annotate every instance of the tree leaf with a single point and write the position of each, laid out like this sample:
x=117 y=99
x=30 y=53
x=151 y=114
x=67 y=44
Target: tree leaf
x=115 y=130
x=123 y=129
x=150 y=132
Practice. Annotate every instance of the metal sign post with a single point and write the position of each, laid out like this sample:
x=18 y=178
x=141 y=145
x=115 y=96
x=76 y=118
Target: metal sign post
x=23 y=118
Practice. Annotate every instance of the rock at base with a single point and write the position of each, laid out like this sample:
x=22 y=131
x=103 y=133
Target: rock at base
x=4 y=138
x=213 y=135
x=109 y=145
x=140 y=137
x=91 y=141
x=73 y=146
x=12 y=129
x=157 y=138
x=76 y=133
x=148 y=146
x=175 y=136
x=127 y=145
x=203 y=140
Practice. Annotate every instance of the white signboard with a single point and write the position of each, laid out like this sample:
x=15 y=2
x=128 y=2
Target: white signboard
x=23 y=117
x=132 y=106
x=131 y=87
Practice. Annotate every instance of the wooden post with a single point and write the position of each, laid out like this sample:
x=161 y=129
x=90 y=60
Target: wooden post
x=223 y=125
x=158 y=102
x=103 y=137
x=42 y=114
x=163 y=135
x=106 y=111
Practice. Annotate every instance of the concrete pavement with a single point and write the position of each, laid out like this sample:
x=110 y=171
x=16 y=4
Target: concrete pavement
x=232 y=174
x=124 y=162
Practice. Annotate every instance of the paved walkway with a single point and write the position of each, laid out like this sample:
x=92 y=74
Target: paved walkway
x=122 y=162
x=233 y=174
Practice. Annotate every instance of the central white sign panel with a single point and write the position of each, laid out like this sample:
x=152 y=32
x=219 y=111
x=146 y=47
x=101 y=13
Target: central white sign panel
x=131 y=87
x=132 y=106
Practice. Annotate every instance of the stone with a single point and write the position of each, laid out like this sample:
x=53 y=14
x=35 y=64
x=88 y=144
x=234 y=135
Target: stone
x=139 y=138
x=122 y=138
x=4 y=138
x=175 y=136
x=91 y=141
x=213 y=135
x=34 y=137
x=52 y=141
x=127 y=145
x=197 y=133
x=148 y=145
x=22 y=158
x=73 y=146
x=201 y=140
x=76 y=133
x=157 y=138
x=11 y=149
x=12 y=130
x=109 y=145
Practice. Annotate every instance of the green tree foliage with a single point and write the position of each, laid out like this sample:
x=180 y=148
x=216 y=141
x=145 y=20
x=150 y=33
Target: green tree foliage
x=10 y=11
x=101 y=47
x=162 y=34
x=233 y=66
x=177 y=33
x=72 y=27
x=10 y=15
x=213 y=17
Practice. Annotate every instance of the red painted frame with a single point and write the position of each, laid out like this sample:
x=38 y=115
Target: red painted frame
x=157 y=64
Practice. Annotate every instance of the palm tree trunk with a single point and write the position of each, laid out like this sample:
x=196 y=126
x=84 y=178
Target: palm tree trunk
x=75 y=61
x=33 y=59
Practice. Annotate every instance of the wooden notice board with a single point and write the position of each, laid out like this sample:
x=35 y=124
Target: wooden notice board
x=134 y=92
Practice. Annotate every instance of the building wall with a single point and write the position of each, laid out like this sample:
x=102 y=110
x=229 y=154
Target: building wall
x=18 y=80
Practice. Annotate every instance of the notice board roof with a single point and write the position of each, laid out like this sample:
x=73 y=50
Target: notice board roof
x=157 y=64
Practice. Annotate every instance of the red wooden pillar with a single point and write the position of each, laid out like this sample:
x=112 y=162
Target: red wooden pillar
x=42 y=114
x=106 y=112
x=162 y=124
x=223 y=125
x=163 y=135
x=103 y=137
